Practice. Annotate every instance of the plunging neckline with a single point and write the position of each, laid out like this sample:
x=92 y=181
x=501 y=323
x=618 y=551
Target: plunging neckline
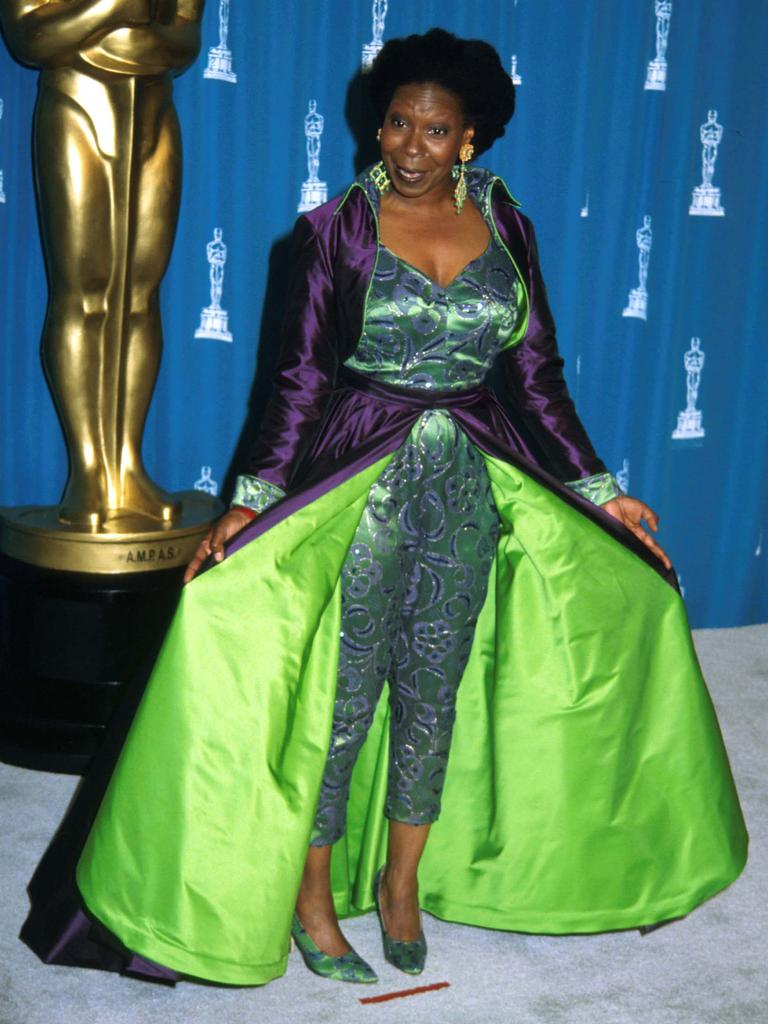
x=432 y=281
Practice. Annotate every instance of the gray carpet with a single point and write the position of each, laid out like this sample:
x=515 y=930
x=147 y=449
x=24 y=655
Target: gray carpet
x=709 y=968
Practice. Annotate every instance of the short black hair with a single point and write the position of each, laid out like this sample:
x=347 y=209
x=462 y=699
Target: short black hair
x=469 y=68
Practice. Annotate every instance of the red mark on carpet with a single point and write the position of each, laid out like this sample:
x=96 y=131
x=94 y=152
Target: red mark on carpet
x=405 y=992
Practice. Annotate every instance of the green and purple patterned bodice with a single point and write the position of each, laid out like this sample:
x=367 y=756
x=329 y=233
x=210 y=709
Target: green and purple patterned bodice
x=422 y=335
x=419 y=334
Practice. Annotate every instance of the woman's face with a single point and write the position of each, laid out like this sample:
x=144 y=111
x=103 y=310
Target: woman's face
x=422 y=133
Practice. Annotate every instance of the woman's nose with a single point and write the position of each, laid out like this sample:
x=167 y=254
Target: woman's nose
x=411 y=144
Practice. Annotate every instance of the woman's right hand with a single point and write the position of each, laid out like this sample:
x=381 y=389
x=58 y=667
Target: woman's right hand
x=213 y=542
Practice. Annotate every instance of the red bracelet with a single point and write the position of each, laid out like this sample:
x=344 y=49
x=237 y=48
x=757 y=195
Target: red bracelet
x=250 y=513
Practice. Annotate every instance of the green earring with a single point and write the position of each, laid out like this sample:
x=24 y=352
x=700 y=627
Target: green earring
x=466 y=153
x=379 y=177
x=460 y=192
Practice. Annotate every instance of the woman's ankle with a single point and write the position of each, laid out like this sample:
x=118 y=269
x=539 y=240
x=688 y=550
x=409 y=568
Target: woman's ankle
x=399 y=881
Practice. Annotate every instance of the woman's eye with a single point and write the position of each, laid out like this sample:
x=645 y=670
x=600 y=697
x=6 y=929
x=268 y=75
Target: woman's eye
x=438 y=131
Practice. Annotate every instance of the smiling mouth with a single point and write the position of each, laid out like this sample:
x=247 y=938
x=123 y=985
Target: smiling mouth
x=409 y=175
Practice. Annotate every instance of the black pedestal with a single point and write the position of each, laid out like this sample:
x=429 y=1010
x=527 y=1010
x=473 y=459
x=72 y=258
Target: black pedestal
x=71 y=644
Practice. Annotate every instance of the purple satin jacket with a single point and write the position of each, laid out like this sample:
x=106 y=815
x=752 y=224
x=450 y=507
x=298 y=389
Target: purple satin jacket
x=335 y=249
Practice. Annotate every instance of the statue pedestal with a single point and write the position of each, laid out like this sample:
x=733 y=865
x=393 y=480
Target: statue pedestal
x=370 y=53
x=705 y=202
x=689 y=425
x=73 y=643
x=656 y=75
x=313 y=194
x=637 y=305
x=214 y=324
x=220 y=64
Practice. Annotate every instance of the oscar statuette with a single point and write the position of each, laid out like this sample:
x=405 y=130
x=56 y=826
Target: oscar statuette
x=88 y=587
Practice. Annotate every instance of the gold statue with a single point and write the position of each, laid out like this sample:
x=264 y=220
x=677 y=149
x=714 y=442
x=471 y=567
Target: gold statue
x=107 y=169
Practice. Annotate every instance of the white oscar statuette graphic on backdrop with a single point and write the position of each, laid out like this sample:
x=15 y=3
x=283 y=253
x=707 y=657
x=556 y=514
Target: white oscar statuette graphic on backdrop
x=622 y=477
x=705 y=201
x=313 y=191
x=656 y=77
x=585 y=208
x=220 y=57
x=759 y=548
x=2 y=193
x=214 y=319
x=637 y=304
x=513 y=74
x=689 y=420
x=371 y=50
x=206 y=483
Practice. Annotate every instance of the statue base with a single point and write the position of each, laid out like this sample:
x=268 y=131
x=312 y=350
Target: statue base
x=689 y=426
x=125 y=544
x=72 y=646
x=82 y=616
x=214 y=324
x=637 y=305
x=370 y=53
x=220 y=64
x=656 y=78
x=313 y=193
x=705 y=202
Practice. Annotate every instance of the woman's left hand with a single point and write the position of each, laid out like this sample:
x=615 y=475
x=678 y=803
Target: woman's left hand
x=630 y=511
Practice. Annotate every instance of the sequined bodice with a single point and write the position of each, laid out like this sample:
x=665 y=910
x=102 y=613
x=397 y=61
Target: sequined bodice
x=418 y=334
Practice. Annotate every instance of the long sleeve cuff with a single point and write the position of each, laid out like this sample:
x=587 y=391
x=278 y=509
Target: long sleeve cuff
x=255 y=493
x=598 y=489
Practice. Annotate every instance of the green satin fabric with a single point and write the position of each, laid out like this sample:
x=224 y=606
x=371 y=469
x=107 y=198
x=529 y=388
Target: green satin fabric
x=588 y=787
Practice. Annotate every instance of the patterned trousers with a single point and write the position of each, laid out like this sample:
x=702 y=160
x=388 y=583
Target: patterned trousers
x=413 y=584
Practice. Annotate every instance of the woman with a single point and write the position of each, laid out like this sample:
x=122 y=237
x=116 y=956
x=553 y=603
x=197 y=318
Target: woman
x=395 y=526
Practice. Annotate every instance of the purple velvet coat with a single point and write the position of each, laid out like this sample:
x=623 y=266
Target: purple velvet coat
x=335 y=252
x=323 y=423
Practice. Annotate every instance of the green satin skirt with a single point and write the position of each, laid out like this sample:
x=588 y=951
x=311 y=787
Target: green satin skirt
x=588 y=787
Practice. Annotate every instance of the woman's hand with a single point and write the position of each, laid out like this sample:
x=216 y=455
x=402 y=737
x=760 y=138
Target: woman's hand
x=630 y=511
x=213 y=542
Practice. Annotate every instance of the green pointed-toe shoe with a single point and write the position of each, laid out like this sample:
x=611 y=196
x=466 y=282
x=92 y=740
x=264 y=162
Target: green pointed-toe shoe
x=406 y=956
x=348 y=967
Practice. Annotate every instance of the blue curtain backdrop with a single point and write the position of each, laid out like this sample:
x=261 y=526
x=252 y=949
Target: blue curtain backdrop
x=590 y=153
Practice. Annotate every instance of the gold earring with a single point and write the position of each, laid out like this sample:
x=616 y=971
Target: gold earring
x=460 y=191
x=378 y=135
x=379 y=177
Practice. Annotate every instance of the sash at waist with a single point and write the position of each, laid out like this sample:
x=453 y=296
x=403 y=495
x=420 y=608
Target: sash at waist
x=414 y=398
